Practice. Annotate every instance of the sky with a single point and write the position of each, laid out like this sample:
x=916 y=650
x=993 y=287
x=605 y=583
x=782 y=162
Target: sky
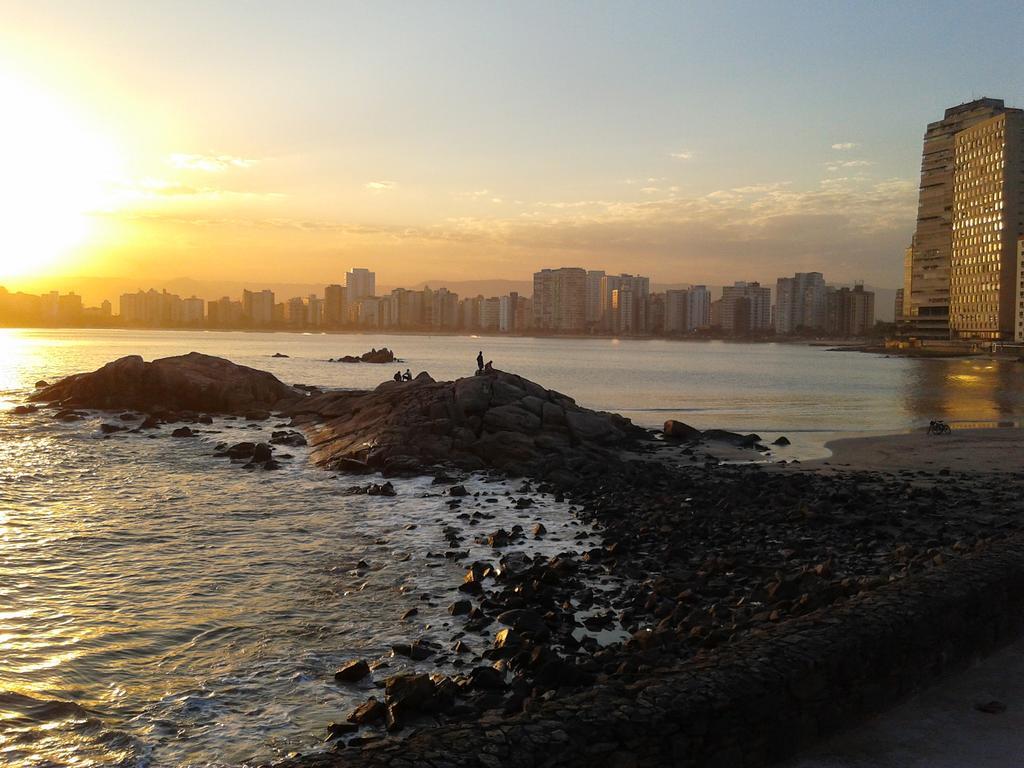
x=700 y=142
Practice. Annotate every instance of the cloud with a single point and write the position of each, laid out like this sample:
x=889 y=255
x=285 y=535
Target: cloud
x=381 y=186
x=151 y=188
x=209 y=163
x=681 y=155
x=848 y=227
x=845 y=145
x=832 y=167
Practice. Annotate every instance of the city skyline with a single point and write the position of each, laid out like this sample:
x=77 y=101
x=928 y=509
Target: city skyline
x=443 y=143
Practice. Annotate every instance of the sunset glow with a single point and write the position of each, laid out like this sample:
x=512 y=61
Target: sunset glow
x=58 y=173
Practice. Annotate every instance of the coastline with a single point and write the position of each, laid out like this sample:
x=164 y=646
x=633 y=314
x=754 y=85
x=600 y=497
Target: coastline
x=973 y=451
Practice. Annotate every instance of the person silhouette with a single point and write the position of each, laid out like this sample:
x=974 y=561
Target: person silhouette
x=407 y=376
x=398 y=375
x=480 y=360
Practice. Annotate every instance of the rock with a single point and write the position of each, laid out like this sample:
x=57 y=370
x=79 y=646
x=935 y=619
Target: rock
x=205 y=419
x=256 y=415
x=369 y=712
x=352 y=671
x=192 y=382
x=460 y=608
x=487 y=679
x=991 y=707
x=539 y=530
x=733 y=438
x=680 y=431
x=337 y=730
x=408 y=692
x=524 y=503
x=150 y=422
x=183 y=432
x=262 y=452
x=383 y=355
x=458 y=490
x=41 y=383
x=109 y=429
x=781 y=440
x=279 y=354
x=417 y=650
x=525 y=621
x=410 y=613
x=21 y=410
x=289 y=438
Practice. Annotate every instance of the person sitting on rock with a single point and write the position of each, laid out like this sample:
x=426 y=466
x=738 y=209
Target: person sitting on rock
x=480 y=360
x=489 y=368
x=398 y=375
x=407 y=376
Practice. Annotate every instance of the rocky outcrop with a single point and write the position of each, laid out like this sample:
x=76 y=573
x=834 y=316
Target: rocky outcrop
x=192 y=382
x=383 y=355
x=492 y=420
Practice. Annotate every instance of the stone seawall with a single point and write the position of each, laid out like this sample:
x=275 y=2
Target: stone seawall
x=753 y=701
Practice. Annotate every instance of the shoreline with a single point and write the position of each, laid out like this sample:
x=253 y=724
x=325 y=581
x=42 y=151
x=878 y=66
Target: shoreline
x=973 y=450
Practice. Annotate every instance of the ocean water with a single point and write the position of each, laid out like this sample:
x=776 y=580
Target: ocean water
x=162 y=607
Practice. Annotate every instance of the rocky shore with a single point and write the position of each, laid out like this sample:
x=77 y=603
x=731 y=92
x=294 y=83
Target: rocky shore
x=732 y=614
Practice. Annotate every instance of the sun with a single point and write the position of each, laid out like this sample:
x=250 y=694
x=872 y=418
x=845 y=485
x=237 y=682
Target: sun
x=56 y=171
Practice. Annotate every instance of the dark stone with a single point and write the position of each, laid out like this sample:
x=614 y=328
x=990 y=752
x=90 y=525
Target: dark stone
x=337 y=730
x=781 y=440
x=370 y=711
x=352 y=671
x=680 y=431
x=183 y=432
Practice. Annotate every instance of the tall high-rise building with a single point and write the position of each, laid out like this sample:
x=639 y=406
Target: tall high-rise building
x=559 y=299
x=746 y=308
x=1019 y=334
x=927 y=296
x=592 y=299
x=360 y=283
x=988 y=219
x=192 y=310
x=335 y=314
x=635 y=305
x=698 y=307
x=800 y=302
x=850 y=312
x=258 y=307
x=677 y=311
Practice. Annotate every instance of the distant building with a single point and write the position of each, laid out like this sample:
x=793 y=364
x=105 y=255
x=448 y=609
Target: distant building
x=592 y=299
x=258 y=307
x=677 y=311
x=850 y=312
x=193 y=311
x=1019 y=335
x=746 y=308
x=490 y=314
x=444 y=310
x=224 y=313
x=360 y=283
x=152 y=308
x=507 y=308
x=698 y=308
x=800 y=303
x=295 y=312
x=897 y=306
x=335 y=315
x=559 y=300
x=627 y=312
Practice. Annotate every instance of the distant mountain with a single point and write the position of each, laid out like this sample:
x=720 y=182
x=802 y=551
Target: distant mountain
x=479 y=287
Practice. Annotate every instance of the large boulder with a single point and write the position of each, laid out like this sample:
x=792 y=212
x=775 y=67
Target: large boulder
x=494 y=419
x=192 y=382
x=678 y=430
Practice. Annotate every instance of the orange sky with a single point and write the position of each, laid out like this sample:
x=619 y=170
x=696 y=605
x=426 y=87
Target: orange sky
x=155 y=141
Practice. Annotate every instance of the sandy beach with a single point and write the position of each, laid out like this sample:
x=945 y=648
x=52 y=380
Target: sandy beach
x=965 y=450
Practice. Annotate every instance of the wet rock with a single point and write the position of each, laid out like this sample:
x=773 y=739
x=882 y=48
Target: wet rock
x=109 y=429
x=458 y=490
x=370 y=711
x=680 y=431
x=781 y=440
x=21 y=410
x=352 y=671
x=337 y=730
x=183 y=432
x=192 y=382
x=539 y=530
x=460 y=607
